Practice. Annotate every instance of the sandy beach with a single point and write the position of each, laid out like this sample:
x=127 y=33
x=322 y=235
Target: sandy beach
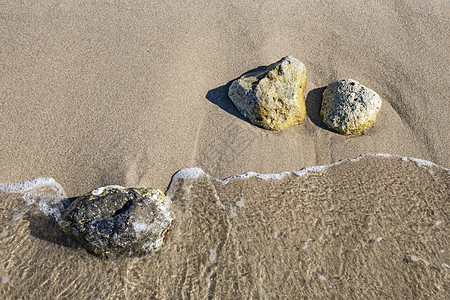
x=95 y=93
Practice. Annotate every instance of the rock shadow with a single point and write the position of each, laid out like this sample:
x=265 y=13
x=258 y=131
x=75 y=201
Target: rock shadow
x=313 y=103
x=219 y=97
x=47 y=229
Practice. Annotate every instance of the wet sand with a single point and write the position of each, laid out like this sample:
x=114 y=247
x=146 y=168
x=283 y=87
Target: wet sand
x=129 y=93
x=376 y=228
x=108 y=93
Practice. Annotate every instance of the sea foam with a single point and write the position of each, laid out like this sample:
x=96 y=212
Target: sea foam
x=46 y=190
x=32 y=185
x=194 y=173
x=51 y=195
x=189 y=173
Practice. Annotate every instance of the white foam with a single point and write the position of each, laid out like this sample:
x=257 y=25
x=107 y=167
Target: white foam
x=32 y=185
x=33 y=190
x=419 y=162
x=184 y=174
x=315 y=169
x=212 y=255
x=321 y=277
x=379 y=155
x=415 y=258
x=194 y=173
x=5 y=279
x=379 y=239
x=189 y=173
x=51 y=203
x=438 y=223
x=445 y=266
x=276 y=176
x=318 y=169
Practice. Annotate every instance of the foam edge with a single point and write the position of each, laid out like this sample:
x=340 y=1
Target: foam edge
x=49 y=203
x=194 y=173
x=53 y=204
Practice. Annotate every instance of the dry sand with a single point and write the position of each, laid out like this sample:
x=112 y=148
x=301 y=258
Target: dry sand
x=129 y=92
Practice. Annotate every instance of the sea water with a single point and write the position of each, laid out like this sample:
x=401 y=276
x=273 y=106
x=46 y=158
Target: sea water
x=376 y=223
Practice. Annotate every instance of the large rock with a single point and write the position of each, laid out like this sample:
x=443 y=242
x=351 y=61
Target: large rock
x=272 y=97
x=349 y=107
x=114 y=221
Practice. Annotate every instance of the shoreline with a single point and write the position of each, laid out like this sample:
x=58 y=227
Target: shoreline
x=136 y=94
x=354 y=223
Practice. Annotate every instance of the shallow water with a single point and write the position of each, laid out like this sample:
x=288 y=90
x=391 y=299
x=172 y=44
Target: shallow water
x=373 y=227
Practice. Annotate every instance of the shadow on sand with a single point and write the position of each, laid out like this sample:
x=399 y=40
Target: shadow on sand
x=313 y=101
x=47 y=229
x=219 y=96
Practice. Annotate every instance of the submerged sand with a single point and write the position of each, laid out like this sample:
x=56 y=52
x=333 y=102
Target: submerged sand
x=130 y=92
x=373 y=228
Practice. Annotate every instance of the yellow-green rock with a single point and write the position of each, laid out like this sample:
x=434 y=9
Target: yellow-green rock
x=272 y=97
x=348 y=107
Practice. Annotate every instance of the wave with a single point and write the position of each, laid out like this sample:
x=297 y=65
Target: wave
x=51 y=195
x=46 y=190
x=194 y=173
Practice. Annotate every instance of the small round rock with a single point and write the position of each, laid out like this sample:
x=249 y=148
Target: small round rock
x=348 y=107
x=114 y=221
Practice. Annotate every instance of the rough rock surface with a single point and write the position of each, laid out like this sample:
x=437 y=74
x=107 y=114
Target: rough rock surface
x=114 y=221
x=349 y=107
x=272 y=97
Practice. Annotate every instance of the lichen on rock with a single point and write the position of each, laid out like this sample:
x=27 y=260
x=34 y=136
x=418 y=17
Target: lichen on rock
x=348 y=107
x=115 y=221
x=272 y=97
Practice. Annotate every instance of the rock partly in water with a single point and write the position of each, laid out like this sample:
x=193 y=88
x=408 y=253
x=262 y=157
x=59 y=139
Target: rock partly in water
x=115 y=221
x=272 y=97
x=349 y=107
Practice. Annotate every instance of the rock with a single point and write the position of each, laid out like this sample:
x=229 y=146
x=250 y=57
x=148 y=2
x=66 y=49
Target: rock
x=349 y=107
x=272 y=97
x=115 y=221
